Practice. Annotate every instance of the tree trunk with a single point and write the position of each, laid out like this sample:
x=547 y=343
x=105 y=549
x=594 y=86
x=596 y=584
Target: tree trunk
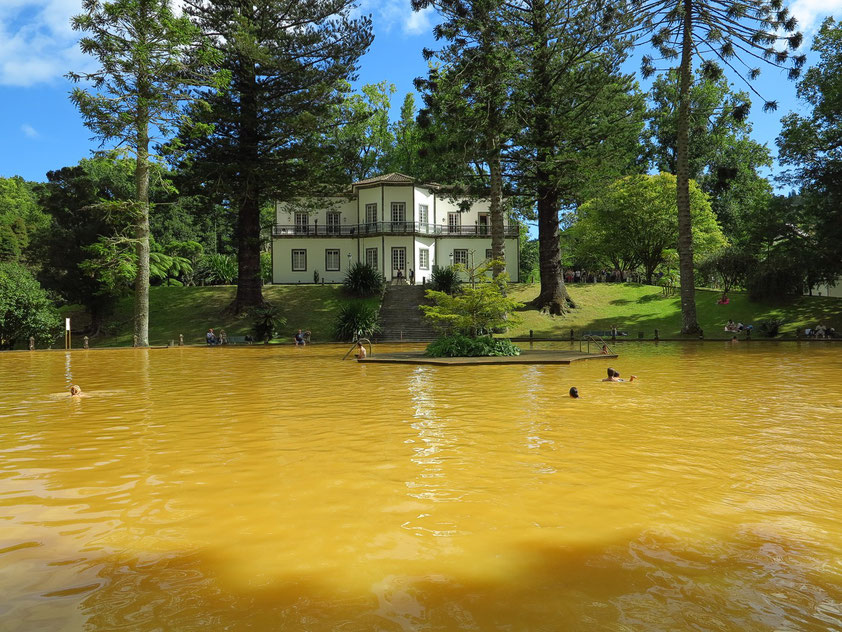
x=249 y=282
x=685 y=231
x=141 y=287
x=498 y=242
x=553 y=296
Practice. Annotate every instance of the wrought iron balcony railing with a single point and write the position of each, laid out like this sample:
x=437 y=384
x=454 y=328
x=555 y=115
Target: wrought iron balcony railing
x=387 y=228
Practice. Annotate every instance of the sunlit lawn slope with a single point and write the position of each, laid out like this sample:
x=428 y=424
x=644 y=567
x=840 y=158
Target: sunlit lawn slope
x=634 y=308
x=192 y=310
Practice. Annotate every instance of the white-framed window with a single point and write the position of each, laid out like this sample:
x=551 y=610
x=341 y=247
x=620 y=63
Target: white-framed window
x=423 y=213
x=371 y=257
x=332 y=259
x=489 y=254
x=453 y=223
x=423 y=258
x=334 y=220
x=301 y=223
x=299 y=260
x=398 y=212
x=460 y=256
x=371 y=213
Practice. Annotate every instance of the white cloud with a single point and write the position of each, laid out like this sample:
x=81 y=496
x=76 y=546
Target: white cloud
x=418 y=22
x=37 y=44
x=29 y=131
x=811 y=13
x=389 y=14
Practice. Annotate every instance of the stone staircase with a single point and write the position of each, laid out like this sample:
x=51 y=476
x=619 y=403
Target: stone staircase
x=400 y=318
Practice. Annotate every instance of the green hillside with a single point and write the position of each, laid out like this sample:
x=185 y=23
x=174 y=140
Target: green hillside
x=632 y=307
x=192 y=310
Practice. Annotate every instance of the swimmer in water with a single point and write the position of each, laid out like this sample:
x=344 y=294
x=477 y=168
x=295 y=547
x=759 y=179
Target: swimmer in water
x=75 y=391
x=361 y=353
x=574 y=392
x=614 y=376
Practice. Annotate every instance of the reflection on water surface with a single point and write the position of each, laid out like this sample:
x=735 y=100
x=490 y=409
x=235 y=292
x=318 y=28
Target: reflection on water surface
x=279 y=488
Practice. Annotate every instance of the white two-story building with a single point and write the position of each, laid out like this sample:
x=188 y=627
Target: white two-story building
x=401 y=227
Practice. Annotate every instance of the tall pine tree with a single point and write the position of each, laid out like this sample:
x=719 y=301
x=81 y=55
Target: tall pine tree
x=145 y=53
x=288 y=61
x=730 y=33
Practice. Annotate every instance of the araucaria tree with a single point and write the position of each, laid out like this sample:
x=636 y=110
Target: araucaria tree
x=733 y=33
x=470 y=90
x=142 y=49
x=580 y=115
x=288 y=62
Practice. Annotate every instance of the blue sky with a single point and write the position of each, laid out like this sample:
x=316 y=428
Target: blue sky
x=40 y=130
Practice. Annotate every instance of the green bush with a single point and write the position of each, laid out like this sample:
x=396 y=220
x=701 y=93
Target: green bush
x=770 y=328
x=363 y=280
x=445 y=280
x=459 y=346
x=25 y=308
x=266 y=267
x=267 y=322
x=356 y=319
x=217 y=269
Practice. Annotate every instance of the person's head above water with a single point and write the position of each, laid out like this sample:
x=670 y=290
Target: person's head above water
x=75 y=390
x=612 y=372
x=574 y=392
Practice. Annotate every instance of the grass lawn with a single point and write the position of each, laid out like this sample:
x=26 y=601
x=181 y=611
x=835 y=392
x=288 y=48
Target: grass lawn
x=632 y=307
x=192 y=310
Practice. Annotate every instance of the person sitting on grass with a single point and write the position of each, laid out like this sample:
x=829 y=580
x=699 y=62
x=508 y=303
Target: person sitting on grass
x=731 y=326
x=210 y=337
x=723 y=300
x=300 y=339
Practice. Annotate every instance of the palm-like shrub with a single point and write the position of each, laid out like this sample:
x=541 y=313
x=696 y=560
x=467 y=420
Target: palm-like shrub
x=217 y=269
x=445 y=279
x=356 y=319
x=363 y=280
x=267 y=322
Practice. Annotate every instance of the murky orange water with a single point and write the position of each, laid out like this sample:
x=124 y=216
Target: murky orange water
x=281 y=489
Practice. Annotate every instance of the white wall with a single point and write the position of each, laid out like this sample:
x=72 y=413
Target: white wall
x=285 y=212
x=315 y=247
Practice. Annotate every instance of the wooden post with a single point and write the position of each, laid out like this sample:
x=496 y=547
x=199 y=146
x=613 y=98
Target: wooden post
x=85 y=343
x=32 y=343
x=134 y=340
x=180 y=340
x=656 y=335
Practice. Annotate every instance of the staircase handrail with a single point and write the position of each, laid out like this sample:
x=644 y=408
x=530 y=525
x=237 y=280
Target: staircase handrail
x=596 y=339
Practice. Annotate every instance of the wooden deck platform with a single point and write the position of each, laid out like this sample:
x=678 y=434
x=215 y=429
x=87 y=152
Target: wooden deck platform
x=525 y=357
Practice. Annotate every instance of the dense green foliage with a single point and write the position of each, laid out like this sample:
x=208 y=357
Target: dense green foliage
x=632 y=223
x=459 y=346
x=475 y=311
x=25 y=308
x=355 y=320
x=811 y=145
x=729 y=268
x=363 y=280
x=217 y=269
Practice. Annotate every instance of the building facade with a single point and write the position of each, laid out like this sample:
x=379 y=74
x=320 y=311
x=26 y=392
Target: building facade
x=401 y=227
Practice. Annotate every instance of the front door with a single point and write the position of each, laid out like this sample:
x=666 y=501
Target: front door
x=399 y=263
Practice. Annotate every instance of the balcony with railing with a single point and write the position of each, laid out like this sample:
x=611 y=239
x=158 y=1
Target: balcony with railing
x=387 y=228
